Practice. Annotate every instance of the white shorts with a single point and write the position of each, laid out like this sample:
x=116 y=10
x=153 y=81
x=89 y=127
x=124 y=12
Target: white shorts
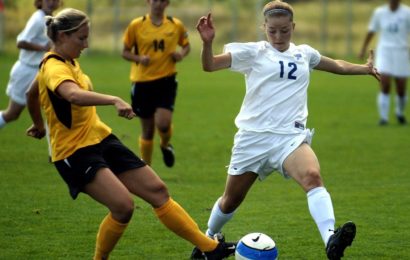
x=393 y=61
x=21 y=76
x=264 y=153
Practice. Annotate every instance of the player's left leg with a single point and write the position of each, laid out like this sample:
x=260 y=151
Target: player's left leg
x=163 y=122
x=146 y=140
x=11 y=113
x=146 y=184
x=401 y=99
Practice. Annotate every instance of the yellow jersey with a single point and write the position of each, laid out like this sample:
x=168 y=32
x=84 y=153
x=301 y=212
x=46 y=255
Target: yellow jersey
x=158 y=42
x=71 y=126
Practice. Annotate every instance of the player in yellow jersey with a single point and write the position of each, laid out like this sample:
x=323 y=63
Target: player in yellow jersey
x=87 y=155
x=154 y=43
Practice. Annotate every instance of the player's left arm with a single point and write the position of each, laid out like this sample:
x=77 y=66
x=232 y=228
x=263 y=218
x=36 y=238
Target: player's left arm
x=179 y=55
x=343 y=67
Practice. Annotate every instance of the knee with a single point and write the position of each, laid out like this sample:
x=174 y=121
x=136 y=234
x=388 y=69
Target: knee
x=123 y=211
x=312 y=179
x=163 y=127
x=229 y=204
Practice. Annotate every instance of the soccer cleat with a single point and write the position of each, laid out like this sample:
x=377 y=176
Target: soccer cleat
x=342 y=238
x=168 y=155
x=222 y=251
x=402 y=120
x=383 y=122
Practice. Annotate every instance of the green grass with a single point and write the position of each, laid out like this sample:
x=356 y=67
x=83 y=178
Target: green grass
x=365 y=168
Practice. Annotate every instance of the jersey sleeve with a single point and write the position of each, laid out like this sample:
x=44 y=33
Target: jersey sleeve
x=243 y=55
x=374 y=24
x=129 y=37
x=33 y=28
x=183 y=34
x=55 y=73
x=312 y=55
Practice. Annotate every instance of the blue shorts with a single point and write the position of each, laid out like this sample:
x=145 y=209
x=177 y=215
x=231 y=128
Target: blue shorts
x=146 y=97
x=80 y=168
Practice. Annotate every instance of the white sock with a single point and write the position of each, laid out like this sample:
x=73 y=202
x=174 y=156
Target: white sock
x=400 y=105
x=217 y=220
x=383 y=103
x=2 y=122
x=321 y=209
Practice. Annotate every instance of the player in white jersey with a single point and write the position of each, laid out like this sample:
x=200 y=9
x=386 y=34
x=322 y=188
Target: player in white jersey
x=392 y=21
x=272 y=134
x=33 y=43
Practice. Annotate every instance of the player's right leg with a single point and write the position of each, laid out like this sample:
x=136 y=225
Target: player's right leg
x=383 y=99
x=11 y=113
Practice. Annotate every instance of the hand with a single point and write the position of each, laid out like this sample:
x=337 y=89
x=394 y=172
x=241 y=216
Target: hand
x=176 y=56
x=370 y=64
x=144 y=60
x=36 y=132
x=124 y=109
x=206 y=28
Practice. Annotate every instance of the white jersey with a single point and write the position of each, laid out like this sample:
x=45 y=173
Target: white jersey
x=276 y=85
x=394 y=27
x=34 y=32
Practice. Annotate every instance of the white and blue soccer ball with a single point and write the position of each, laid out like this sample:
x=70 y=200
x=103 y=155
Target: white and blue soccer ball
x=256 y=246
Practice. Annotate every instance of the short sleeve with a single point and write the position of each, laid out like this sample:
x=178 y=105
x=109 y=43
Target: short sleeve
x=374 y=24
x=129 y=34
x=55 y=73
x=183 y=34
x=243 y=55
x=35 y=26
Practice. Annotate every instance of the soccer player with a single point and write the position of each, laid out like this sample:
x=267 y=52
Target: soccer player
x=33 y=43
x=392 y=21
x=272 y=134
x=87 y=155
x=150 y=43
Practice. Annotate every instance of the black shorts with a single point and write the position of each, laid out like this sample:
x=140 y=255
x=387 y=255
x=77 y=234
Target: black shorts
x=81 y=167
x=146 y=97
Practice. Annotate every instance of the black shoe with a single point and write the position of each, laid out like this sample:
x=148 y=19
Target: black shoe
x=222 y=251
x=402 y=120
x=383 y=122
x=168 y=155
x=342 y=238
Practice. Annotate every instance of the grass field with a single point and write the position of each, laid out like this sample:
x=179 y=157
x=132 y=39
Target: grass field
x=365 y=168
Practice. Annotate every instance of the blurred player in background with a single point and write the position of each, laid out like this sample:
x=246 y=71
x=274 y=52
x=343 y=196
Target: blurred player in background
x=272 y=134
x=33 y=43
x=87 y=155
x=392 y=21
x=150 y=43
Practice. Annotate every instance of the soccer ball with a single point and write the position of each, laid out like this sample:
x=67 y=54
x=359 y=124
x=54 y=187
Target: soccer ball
x=256 y=246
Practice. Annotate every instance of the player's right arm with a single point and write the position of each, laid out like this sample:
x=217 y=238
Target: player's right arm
x=36 y=130
x=209 y=61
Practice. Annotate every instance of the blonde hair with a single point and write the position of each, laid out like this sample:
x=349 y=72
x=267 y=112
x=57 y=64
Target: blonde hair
x=68 y=20
x=277 y=7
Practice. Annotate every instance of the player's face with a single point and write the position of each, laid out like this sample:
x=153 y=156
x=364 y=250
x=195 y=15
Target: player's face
x=279 y=30
x=158 y=6
x=73 y=44
x=49 y=6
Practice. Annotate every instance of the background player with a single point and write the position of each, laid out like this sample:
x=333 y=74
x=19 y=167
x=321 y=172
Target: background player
x=392 y=21
x=150 y=43
x=272 y=133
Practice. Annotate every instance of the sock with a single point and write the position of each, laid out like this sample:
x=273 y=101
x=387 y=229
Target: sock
x=400 y=105
x=108 y=235
x=146 y=147
x=2 y=122
x=176 y=219
x=321 y=209
x=217 y=219
x=383 y=103
x=165 y=136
